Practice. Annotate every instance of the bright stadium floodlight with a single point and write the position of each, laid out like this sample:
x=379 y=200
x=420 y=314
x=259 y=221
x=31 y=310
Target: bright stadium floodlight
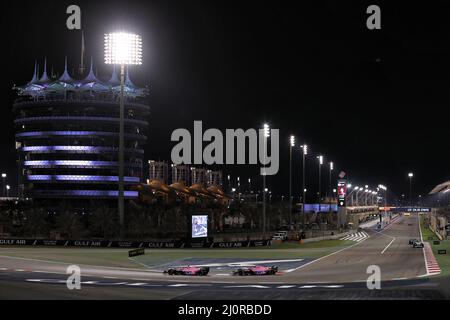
x=292 y=141
x=320 y=159
x=266 y=129
x=122 y=48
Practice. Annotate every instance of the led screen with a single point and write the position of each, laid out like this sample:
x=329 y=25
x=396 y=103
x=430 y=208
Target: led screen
x=199 y=226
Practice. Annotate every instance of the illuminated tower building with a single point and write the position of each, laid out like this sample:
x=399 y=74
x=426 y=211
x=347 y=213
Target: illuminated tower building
x=67 y=135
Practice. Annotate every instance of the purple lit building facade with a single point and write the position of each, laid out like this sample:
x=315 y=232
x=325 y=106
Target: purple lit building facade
x=67 y=135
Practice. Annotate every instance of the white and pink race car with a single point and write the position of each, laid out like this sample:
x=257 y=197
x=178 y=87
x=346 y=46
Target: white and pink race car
x=256 y=271
x=188 y=271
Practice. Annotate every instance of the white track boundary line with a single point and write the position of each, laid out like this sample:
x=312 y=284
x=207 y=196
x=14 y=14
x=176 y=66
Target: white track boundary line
x=387 y=246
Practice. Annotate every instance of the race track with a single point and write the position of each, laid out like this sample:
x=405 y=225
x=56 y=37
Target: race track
x=339 y=275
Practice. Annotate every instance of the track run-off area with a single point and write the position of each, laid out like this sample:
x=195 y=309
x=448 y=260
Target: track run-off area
x=336 y=269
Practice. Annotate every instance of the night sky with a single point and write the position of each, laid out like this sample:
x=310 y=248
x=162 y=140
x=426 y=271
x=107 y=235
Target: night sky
x=373 y=102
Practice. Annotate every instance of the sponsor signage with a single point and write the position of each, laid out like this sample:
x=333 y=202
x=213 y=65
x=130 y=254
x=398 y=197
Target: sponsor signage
x=199 y=226
x=410 y=209
x=133 y=244
x=341 y=192
x=436 y=242
x=320 y=208
x=136 y=252
x=442 y=251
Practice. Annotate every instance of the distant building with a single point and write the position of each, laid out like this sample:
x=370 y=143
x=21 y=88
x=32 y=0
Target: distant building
x=198 y=176
x=67 y=134
x=158 y=170
x=180 y=174
x=214 y=178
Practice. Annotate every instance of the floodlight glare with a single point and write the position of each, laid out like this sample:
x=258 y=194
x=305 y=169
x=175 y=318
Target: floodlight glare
x=123 y=48
x=292 y=140
x=410 y=175
x=320 y=159
x=266 y=129
x=331 y=165
x=305 y=149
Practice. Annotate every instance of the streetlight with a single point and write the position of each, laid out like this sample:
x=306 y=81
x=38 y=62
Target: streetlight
x=4 y=183
x=410 y=175
x=250 y=185
x=291 y=145
x=331 y=169
x=7 y=190
x=122 y=49
x=304 y=153
x=239 y=183
x=320 y=178
x=266 y=131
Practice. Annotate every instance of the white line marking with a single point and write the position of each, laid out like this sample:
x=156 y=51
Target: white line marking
x=384 y=250
x=81 y=265
x=179 y=285
x=333 y=253
x=285 y=287
x=248 y=286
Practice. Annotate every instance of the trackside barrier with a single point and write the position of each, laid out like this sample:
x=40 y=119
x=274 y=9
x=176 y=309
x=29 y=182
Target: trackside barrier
x=132 y=244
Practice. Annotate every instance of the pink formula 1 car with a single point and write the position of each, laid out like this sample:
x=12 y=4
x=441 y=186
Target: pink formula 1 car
x=188 y=271
x=256 y=271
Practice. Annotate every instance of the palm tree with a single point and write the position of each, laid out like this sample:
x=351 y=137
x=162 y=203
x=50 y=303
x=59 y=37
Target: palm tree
x=35 y=222
x=104 y=221
x=69 y=222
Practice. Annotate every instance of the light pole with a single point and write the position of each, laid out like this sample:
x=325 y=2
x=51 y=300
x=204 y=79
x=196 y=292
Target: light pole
x=7 y=190
x=122 y=49
x=331 y=169
x=266 y=131
x=320 y=179
x=4 y=183
x=304 y=153
x=291 y=145
x=239 y=184
x=410 y=175
x=250 y=185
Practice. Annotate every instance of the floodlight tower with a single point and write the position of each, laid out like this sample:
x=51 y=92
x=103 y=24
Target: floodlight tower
x=291 y=145
x=410 y=176
x=304 y=153
x=320 y=158
x=266 y=134
x=122 y=49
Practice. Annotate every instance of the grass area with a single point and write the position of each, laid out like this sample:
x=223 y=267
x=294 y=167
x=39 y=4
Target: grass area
x=282 y=251
x=92 y=256
x=442 y=259
x=110 y=257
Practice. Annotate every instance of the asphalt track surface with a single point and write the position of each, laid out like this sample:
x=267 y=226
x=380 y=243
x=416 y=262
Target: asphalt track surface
x=340 y=275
